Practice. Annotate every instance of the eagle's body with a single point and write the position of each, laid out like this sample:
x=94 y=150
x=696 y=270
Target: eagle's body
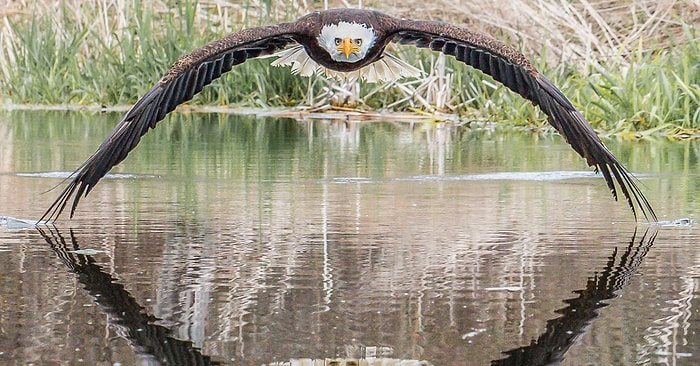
x=349 y=43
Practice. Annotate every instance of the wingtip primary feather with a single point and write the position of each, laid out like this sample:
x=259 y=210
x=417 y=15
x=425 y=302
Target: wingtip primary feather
x=613 y=171
x=54 y=211
x=580 y=135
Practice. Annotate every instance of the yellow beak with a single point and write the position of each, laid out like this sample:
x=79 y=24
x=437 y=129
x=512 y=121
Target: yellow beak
x=348 y=47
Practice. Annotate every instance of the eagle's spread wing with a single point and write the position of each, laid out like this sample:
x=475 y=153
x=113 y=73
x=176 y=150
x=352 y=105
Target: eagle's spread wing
x=196 y=69
x=181 y=82
x=512 y=69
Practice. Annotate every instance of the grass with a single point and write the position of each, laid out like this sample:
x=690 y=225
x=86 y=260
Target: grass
x=659 y=91
x=634 y=70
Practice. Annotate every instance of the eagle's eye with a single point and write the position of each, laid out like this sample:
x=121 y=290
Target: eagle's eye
x=358 y=42
x=338 y=41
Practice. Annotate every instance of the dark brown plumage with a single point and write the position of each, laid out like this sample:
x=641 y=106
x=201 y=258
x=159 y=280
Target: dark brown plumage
x=193 y=71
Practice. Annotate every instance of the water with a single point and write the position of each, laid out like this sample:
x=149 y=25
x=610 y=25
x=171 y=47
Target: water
x=235 y=240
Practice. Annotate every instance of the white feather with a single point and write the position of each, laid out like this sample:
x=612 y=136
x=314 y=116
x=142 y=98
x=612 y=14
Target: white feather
x=399 y=68
x=297 y=58
x=388 y=68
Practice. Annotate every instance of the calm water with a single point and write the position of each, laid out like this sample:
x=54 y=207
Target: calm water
x=235 y=240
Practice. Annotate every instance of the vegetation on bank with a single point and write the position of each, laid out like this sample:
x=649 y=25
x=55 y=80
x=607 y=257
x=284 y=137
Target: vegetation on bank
x=109 y=53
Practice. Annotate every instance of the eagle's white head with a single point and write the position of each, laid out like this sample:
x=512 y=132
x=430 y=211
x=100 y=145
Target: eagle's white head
x=346 y=42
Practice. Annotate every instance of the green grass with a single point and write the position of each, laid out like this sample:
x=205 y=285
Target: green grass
x=96 y=59
x=77 y=65
x=658 y=91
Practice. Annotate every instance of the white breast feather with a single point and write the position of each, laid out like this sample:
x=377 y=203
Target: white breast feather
x=296 y=57
x=388 y=68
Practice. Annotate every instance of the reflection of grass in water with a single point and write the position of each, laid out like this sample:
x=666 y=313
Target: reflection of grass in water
x=93 y=53
x=224 y=146
x=183 y=139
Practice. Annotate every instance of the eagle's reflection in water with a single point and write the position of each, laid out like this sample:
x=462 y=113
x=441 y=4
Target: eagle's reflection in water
x=130 y=320
x=550 y=348
x=156 y=342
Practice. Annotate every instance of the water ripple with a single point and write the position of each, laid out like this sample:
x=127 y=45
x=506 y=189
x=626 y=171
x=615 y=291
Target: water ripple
x=64 y=175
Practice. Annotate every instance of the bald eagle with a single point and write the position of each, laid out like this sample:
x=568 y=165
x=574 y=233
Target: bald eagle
x=349 y=43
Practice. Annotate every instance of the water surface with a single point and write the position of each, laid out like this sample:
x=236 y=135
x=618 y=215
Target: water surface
x=236 y=240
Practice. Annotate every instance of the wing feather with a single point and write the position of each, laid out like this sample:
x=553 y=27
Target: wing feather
x=509 y=67
x=187 y=77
